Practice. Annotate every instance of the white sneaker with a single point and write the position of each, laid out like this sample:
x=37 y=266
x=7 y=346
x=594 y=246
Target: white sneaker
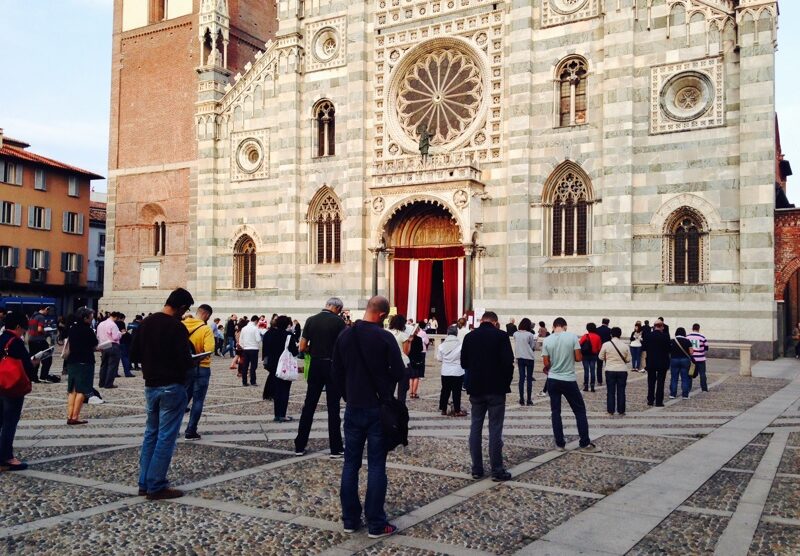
x=672 y=397
x=94 y=400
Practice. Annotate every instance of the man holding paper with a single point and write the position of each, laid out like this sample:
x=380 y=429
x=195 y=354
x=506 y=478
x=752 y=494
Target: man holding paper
x=108 y=337
x=197 y=378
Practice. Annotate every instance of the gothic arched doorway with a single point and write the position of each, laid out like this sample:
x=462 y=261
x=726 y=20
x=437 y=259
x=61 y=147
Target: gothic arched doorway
x=427 y=261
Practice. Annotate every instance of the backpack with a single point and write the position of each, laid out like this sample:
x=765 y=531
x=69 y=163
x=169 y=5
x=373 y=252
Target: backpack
x=586 y=347
x=14 y=381
x=192 y=349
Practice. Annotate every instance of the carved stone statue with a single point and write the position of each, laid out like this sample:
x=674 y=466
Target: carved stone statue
x=424 y=141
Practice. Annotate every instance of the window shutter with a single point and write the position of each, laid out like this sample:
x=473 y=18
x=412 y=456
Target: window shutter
x=29 y=258
x=18 y=176
x=64 y=262
x=47 y=260
x=15 y=257
x=80 y=224
x=17 y=214
x=65 y=221
x=38 y=180
x=79 y=268
x=47 y=216
x=31 y=214
x=2 y=170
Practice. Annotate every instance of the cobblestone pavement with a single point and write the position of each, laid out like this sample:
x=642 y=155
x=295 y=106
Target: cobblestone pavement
x=247 y=493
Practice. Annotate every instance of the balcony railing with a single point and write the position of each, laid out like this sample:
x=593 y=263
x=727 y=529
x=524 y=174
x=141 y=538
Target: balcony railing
x=71 y=278
x=38 y=276
x=94 y=285
x=8 y=274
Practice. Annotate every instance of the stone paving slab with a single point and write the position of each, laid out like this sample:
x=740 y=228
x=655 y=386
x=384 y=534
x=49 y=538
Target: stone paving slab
x=311 y=488
x=158 y=528
x=191 y=462
x=26 y=499
x=681 y=534
x=772 y=539
x=500 y=520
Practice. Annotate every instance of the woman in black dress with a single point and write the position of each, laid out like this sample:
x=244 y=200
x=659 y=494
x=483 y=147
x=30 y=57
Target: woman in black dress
x=275 y=341
x=79 y=362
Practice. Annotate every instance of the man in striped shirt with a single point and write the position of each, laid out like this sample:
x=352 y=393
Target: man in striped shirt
x=700 y=349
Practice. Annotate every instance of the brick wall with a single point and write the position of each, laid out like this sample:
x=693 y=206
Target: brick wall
x=787 y=249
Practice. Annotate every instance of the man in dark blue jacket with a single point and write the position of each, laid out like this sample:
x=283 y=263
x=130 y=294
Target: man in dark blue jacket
x=487 y=357
x=366 y=367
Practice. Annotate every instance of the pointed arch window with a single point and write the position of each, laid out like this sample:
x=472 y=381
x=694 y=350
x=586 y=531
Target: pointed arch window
x=568 y=213
x=244 y=263
x=571 y=91
x=325 y=132
x=326 y=229
x=685 y=238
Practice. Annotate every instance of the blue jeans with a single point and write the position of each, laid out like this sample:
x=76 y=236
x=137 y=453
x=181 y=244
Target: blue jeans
x=125 y=359
x=589 y=367
x=230 y=346
x=197 y=380
x=165 y=408
x=568 y=389
x=525 y=377
x=615 y=391
x=363 y=426
x=679 y=366
x=701 y=372
x=10 y=412
x=636 y=358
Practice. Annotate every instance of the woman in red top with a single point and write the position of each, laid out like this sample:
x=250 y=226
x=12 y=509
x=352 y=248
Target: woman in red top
x=590 y=347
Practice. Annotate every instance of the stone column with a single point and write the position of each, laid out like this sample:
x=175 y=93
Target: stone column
x=468 y=250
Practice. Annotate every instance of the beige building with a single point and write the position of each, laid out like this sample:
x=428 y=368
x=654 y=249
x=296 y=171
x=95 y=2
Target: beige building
x=585 y=158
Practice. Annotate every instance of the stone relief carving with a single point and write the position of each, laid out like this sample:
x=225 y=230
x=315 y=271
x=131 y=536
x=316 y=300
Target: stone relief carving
x=460 y=198
x=687 y=95
x=378 y=205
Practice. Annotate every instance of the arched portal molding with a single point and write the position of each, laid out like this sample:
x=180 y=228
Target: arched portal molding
x=388 y=219
x=241 y=230
x=709 y=216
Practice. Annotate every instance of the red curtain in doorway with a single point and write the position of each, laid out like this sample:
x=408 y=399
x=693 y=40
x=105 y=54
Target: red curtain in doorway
x=424 y=276
x=401 y=285
x=450 y=275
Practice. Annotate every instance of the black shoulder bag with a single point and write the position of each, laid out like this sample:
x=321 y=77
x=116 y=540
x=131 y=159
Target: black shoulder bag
x=393 y=413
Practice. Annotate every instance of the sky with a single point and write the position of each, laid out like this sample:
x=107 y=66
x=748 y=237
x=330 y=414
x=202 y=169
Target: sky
x=56 y=58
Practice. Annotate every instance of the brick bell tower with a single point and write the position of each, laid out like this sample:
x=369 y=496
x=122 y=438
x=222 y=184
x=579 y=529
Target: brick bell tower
x=159 y=47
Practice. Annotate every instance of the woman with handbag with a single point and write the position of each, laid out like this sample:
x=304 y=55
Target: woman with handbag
x=79 y=362
x=681 y=361
x=615 y=356
x=278 y=339
x=16 y=372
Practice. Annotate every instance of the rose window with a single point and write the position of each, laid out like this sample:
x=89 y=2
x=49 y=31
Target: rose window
x=441 y=93
x=687 y=96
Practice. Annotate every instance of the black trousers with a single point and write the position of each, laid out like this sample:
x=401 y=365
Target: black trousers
x=451 y=386
x=655 y=386
x=250 y=364
x=35 y=346
x=599 y=371
x=319 y=378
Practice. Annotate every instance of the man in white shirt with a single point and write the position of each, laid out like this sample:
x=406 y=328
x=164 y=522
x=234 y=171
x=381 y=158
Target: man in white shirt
x=250 y=340
x=108 y=336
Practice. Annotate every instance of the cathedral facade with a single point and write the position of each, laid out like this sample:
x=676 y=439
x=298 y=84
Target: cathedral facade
x=576 y=158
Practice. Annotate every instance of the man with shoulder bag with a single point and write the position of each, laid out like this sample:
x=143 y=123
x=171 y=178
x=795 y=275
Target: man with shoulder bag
x=366 y=367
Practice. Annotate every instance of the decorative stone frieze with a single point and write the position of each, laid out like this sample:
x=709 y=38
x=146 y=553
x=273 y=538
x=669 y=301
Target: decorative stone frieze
x=558 y=12
x=687 y=96
x=413 y=170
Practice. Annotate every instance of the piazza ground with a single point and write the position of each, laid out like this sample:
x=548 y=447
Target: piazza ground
x=719 y=472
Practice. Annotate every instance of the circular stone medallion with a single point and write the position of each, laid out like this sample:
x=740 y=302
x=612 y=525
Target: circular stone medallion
x=687 y=96
x=249 y=155
x=567 y=6
x=325 y=45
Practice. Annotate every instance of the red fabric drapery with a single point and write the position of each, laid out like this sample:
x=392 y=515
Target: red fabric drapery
x=432 y=253
x=401 y=286
x=424 y=277
x=450 y=275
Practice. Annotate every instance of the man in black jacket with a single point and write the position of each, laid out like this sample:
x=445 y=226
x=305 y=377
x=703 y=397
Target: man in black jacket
x=366 y=367
x=487 y=356
x=656 y=344
x=605 y=336
x=162 y=346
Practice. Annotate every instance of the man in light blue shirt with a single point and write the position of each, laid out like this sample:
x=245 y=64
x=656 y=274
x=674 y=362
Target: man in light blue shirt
x=560 y=352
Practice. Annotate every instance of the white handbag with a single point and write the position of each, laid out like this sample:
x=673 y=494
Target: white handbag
x=287 y=364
